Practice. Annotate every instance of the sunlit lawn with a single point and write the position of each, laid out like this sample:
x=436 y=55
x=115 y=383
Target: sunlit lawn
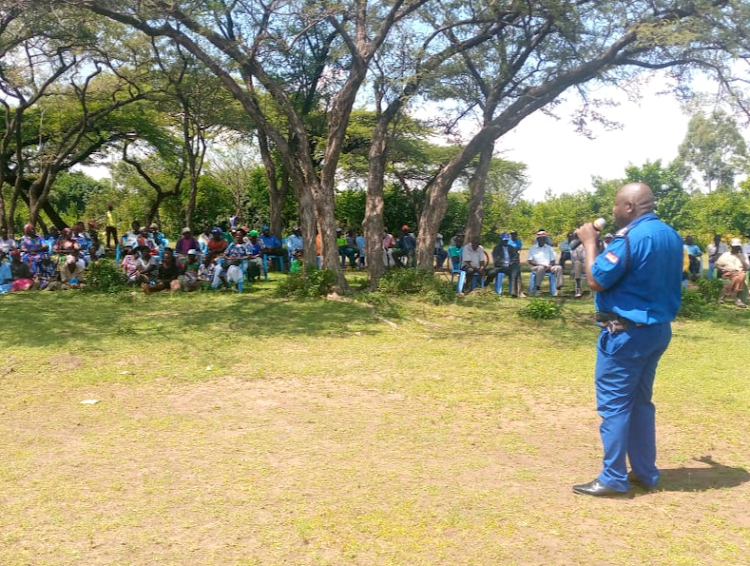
x=240 y=430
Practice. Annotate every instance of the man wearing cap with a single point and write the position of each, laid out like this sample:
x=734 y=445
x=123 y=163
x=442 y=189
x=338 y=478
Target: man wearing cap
x=638 y=284
x=732 y=266
x=270 y=243
x=505 y=260
x=71 y=274
x=541 y=258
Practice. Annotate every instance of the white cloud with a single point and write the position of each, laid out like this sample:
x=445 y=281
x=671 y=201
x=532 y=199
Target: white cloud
x=561 y=160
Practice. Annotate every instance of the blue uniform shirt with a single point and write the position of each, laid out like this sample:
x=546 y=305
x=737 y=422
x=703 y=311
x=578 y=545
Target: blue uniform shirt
x=643 y=285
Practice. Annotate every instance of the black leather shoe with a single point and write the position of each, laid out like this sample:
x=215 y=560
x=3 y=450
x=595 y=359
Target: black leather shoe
x=597 y=489
x=636 y=481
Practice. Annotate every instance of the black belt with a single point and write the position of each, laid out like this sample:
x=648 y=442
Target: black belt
x=614 y=323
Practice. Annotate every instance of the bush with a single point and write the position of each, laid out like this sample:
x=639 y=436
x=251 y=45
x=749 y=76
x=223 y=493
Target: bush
x=710 y=289
x=693 y=304
x=541 y=309
x=417 y=282
x=311 y=283
x=105 y=277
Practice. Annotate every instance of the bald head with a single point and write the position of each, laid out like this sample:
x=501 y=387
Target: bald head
x=632 y=201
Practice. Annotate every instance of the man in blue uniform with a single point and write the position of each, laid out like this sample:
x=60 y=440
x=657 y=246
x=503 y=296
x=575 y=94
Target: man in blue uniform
x=638 y=283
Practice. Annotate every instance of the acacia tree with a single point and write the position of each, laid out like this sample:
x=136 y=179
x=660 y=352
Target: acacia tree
x=198 y=106
x=553 y=46
x=244 y=44
x=64 y=102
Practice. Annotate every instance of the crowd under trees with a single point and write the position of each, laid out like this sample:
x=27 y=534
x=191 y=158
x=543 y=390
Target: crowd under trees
x=301 y=112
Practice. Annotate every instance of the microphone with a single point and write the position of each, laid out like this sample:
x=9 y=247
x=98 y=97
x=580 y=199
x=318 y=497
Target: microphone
x=599 y=223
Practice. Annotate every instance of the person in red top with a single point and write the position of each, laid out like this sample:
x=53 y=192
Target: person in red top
x=217 y=244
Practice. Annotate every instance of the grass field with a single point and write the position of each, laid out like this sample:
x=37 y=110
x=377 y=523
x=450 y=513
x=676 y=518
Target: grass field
x=249 y=430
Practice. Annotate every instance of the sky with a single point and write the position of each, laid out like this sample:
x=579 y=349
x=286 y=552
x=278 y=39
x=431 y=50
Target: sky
x=564 y=161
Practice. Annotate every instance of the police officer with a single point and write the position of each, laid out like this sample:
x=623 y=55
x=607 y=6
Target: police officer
x=637 y=279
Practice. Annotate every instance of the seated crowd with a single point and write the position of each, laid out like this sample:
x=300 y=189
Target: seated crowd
x=217 y=258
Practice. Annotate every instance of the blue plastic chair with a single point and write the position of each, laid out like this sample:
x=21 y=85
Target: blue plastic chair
x=265 y=263
x=462 y=276
x=552 y=283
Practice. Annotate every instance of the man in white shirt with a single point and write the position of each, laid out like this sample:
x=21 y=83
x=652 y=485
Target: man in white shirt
x=473 y=260
x=733 y=265
x=713 y=251
x=6 y=244
x=541 y=258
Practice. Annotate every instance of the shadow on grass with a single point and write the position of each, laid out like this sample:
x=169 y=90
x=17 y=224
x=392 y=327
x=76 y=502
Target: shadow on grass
x=60 y=319
x=717 y=476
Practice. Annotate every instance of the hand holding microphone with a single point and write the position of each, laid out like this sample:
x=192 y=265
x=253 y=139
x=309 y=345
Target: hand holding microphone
x=598 y=224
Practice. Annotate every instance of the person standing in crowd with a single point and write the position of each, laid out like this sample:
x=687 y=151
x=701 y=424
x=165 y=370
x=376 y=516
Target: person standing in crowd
x=638 y=283
x=714 y=251
x=110 y=226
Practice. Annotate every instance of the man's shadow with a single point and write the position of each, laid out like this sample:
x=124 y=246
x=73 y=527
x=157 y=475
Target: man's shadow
x=716 y=476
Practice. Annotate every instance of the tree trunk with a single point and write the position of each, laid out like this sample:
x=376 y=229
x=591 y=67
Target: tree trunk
x=153 y=212
x=277 y=206
x=326 y=227
x=477 y=185
x=192 y=198
x=429 y=223
x=373 y=225
x=308 y=224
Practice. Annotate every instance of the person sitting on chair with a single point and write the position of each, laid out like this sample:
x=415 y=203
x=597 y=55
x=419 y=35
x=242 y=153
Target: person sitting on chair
x=542 y=261
x=733 y=265
x=405 y=247
x=255 y=260
x=270 y=244
x=578 y=259
x=505 y=260
x=472 y=261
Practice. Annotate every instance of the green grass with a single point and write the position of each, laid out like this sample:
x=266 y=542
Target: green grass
x=247 y=430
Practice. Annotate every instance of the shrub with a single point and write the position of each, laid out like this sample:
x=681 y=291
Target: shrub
x=541 y=309
x=693 y=304
x=311 y=283
x=710 y=289
x=417 y=282
x=105 y=277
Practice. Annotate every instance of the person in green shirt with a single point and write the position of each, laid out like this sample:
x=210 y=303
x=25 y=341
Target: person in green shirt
x=296 y=265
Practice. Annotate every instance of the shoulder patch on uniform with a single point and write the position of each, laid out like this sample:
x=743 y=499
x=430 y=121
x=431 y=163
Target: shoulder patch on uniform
x=611 y=258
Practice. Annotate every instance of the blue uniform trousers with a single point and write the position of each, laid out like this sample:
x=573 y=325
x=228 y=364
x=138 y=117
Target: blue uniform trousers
x=625 y=369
